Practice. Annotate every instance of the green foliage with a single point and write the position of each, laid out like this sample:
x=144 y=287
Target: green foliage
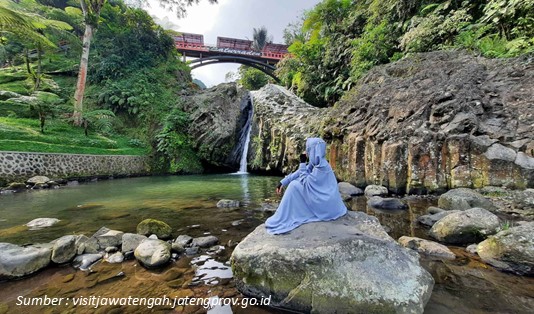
x=251 y=78
x=338 y=41
x=17 y=134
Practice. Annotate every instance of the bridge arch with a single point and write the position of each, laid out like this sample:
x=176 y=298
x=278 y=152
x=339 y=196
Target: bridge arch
x=262 y=66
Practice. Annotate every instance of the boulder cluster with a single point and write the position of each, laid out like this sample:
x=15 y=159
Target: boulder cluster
x=152 y=245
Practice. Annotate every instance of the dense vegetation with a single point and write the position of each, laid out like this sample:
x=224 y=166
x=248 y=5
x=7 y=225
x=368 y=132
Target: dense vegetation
x=338 y=41
x=134 y=82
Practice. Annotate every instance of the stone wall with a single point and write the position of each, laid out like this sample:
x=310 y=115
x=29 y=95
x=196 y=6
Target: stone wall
x=17 y=166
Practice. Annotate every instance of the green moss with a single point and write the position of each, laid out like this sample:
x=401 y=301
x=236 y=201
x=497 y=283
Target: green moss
x=148 y=227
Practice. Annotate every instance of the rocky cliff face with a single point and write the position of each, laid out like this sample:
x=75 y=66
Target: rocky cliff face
x=217 y=116
x=281 y=124
x=424 y=124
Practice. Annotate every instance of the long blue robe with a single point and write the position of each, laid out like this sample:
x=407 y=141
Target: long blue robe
x=312 y=193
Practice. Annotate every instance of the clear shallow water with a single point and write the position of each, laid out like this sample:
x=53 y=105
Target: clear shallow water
x=121 y=204
x=188 y=205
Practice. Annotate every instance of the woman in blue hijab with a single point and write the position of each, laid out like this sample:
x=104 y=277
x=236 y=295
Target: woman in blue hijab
x=312 y=193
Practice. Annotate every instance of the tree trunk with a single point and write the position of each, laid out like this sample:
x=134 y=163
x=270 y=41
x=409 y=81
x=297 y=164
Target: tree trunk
x=27 y=61
x=38 y=74
x=82 y=74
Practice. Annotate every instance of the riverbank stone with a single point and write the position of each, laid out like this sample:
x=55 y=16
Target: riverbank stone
x=426 y=247
x=183 y=240
x=85 y=261
x=386 y=203
x=463 y=199
x=205 y=241
x=348 y=190
x=110 y=238
x=64 y=249
x=430 y=220
x=148 y=227
x=468 y=226
x=349 y=265
x=153 y=253
x=511 y=250
x=40 y=223
x=37 y=180
x=130 y=241
x=224 y=203
x=17 y=261
x=376 y=190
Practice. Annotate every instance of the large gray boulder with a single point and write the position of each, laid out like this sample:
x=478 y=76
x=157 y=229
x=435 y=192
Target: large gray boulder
x=64 y=249
x=349 y=265
x=17 y=261
x=153 y=253
x=130 y=241
x=463 y=199
x=467 y=226
x=510 y=250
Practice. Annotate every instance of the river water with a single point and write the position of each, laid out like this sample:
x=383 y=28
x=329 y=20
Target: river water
x=188 y=205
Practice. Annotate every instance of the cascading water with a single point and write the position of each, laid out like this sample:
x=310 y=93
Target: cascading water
x=247 y=131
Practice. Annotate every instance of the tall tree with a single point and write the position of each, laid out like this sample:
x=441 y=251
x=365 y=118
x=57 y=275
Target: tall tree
x=91 y=12
x=260 y=38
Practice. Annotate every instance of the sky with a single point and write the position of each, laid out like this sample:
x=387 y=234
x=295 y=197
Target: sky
x=231 y=18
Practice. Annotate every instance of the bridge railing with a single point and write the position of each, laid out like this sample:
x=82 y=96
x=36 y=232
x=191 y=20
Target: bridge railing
x=190 y=46
x=204 y=48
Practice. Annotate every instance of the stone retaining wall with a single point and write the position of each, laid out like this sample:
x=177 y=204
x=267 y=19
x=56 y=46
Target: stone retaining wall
x=18 y=166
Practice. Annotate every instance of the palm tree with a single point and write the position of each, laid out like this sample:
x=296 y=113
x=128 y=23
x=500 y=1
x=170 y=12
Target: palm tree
x=260 y=38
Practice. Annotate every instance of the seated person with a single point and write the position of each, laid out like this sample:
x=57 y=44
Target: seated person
x=312 y=193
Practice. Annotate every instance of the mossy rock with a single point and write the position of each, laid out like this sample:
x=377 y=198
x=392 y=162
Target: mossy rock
x=148 y=227
x=6 y=77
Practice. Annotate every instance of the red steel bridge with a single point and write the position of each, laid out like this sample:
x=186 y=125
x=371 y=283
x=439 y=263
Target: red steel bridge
x=229 y=50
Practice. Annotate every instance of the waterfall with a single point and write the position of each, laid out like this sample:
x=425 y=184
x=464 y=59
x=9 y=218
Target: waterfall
x=248 y=129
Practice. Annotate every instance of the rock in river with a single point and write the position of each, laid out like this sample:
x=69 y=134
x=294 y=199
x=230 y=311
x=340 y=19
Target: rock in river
x=467 y=226
x=386 y=203
x=153 y=253
x=510 y=250
x=205 y=241
x=148 y=227
x=17 y=261
x=64 y=249
x=39 y=223
x=426 y=247
x=130 y=241
x=227 y=203
x=376 y=190
x=430 y=220
x=463 y=199
x=350 y=265
x=348 y=190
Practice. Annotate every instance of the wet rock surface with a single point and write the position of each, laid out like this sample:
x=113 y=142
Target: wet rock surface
x=153 y=253
x=17 y=261
x=511 y=250
x=462 y=199
x=386 y=203
x=149 y=227
x=467 y=226
x=350 y=255
x=429 y=248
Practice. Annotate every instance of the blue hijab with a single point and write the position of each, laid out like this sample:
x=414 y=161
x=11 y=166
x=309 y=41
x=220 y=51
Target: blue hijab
x=312 y=193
